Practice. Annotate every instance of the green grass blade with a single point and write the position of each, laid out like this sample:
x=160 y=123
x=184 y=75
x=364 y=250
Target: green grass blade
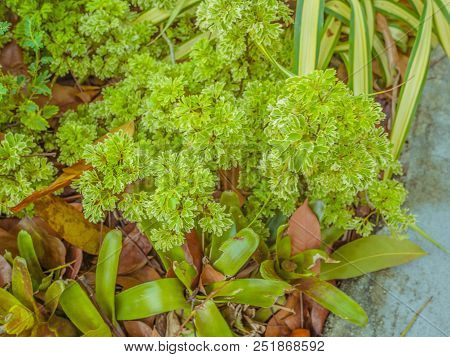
x=360 y=59
x=441 y=22
x=106 y=273
x=330 y=37
x=417 y=5
x=273 y=60
x=156 y=16
x=400 y=37
x=308 y=28
x=26 y=251
x=415 y=76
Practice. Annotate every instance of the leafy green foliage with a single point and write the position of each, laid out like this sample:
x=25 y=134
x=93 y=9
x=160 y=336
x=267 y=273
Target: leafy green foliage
x=22 y=170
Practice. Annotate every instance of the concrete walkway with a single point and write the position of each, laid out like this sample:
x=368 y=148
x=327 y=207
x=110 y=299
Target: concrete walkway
x=391 y=297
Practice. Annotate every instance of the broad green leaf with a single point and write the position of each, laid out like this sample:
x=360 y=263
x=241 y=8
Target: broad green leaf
x=149 y=299
x=334 y=300
x=441 y=19
x=82 y=312
x=52 y=296
x=255 y=292
x=330 y=37
x=22 y=287
x=282 y=244
x=331 y=235
x=185 y=48
x=307 y=259
x=308 y=27
x=369 y=254
x=26 y=251
x=415 y=76
x=360 y=59
x=7 y=301
x=185 y=272
x=217 y=242
x=106 y=273
x=209 y=322
x=267 y=270
x=237 y=251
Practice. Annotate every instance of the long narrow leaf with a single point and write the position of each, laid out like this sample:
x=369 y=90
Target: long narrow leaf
x=26 y=251
x=209 y=322
x=273 y=60
x=369 y=254
x=106 y=273
x=156 y=16
x=441 y=19
x=415 y=76
x=330 y=37
x=370 y=20
x=82 y=312
x=338 y=9
x=308 y=27
x=334 y=300
x=360 y=59
x=149 y=299
x=381 y=57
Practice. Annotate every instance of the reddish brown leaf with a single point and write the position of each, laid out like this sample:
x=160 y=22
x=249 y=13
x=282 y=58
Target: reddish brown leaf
x=304 y=229
x=318 y=317
x=11 y=59
x=193 y=252
x=5 y=272
x=134 y=252
x=138 y=329
x=209 y=275
x=283 y=322
x=143 y=275
x=69 y=223
x=74 y=255
x=7 y=242
x=69 y=174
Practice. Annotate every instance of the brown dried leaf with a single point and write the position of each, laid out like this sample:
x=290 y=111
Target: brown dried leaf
x=134 y=252
x=304 y=229
x=69 y=173
x=69 y=223
x=209 y=275
x=194 y=253
x=5 y=272
x=11 y=59
x=283 y=322
x=300 y=332
x=138 y=329
x=8 y=242
x=74 y=255
x=143 y=275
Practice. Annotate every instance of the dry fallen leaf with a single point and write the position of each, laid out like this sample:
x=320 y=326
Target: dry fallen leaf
x=134 y=252
x=193 y=252
x=8 y=242
x=138 y=329
x=143 y=275
x=304 y=229
x=300 y=332
x=11 y=59
x=74 y=255
x=208 y=276
x=69 y=223
x=284 y=321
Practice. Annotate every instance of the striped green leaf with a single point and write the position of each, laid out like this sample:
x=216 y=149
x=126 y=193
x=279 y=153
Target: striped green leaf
x=330 y=37
x=338 y=9
x=308 y=28
x=369 y=11
x=380 y=55
x=415 y=76
x=441 y=19
x=360 y=59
